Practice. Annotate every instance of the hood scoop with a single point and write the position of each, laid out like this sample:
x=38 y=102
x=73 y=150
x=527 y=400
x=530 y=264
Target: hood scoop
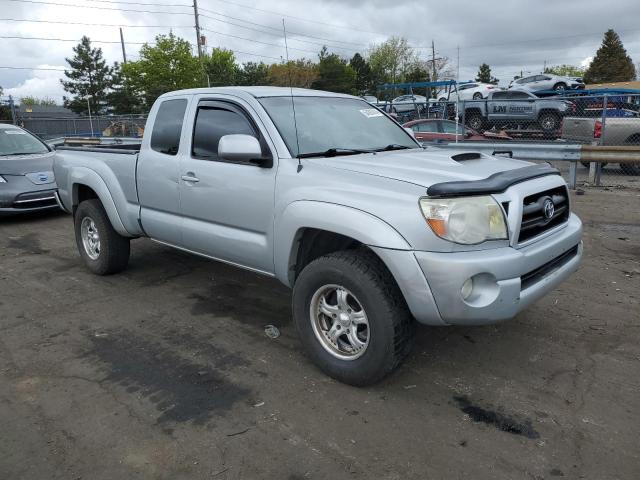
x=462 y=157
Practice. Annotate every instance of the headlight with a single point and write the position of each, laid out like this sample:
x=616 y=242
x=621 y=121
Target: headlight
x=466 y=220
x=2 y=180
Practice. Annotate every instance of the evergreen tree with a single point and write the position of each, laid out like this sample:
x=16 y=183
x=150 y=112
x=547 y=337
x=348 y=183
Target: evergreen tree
x=334 y=74
x=484 y=75
x=89 y=78
x=611 y=63
x=122 y=99
x=363 y=82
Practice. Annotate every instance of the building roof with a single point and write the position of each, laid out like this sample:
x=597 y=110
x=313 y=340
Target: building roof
x=45 y=111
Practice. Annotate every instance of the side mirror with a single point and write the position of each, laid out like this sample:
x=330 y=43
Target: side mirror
x=243 y=148
x=410 y=132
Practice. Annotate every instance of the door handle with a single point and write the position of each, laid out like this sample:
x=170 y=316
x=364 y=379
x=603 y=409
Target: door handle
x=190 y=177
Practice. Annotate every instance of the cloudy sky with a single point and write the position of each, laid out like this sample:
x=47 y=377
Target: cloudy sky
x=511 y=36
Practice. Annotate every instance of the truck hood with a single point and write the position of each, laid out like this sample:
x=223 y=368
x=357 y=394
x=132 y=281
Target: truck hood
x=422 y=167
x=23 y=164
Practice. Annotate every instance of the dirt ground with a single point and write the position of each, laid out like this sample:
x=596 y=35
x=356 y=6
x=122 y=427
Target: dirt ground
x=164 y=371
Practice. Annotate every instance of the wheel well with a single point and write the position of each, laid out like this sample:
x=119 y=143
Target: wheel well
x=633 y=139
x=548 y=110
x=83 y=193
x=312 y=243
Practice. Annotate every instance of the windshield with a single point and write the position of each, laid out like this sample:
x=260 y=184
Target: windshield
x=14 y=141
x=326 y=123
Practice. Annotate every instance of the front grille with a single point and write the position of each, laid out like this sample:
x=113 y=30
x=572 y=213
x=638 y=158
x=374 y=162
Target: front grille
x=534 y=221
x=41 y=199
x=534 y=276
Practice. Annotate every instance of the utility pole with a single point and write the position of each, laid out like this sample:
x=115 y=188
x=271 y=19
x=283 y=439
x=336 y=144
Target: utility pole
x=195 y=13
x=433 y=62
x=458 y=65
x=124 y=52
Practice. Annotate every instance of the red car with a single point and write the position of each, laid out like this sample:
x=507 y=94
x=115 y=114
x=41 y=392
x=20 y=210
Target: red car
x=438 y=130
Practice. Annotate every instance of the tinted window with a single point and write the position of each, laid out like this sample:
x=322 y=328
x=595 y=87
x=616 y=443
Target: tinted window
x=167 y=127
x=213 y=123
x=518 y=95
x=426 y=127
x=452 y=128
x=499 y=95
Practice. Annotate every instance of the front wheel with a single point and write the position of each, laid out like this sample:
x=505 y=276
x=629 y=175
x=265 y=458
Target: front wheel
x=477 y=96
x=560 y=86
x=352 y=318
x=103 y=250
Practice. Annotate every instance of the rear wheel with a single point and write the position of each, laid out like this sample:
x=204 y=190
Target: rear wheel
x=103 y=250
x=549 y=122
x=351 y=317
x=475 y=122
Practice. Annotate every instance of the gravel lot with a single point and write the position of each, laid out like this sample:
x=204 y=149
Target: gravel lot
x=165 y=371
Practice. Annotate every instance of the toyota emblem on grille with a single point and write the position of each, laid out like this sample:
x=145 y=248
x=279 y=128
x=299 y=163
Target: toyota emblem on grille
x=548 y=208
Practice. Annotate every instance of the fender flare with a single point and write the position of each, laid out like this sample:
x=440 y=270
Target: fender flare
x=89 y=178
x=348 y=221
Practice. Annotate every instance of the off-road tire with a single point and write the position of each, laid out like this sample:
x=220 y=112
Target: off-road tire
x=391 y=325
x=114 y=248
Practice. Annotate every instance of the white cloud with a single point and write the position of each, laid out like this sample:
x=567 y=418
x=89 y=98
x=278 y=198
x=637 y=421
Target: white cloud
x=586 y=62
x=42 y=84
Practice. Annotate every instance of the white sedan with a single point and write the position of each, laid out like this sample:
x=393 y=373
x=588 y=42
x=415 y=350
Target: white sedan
x=470 y=91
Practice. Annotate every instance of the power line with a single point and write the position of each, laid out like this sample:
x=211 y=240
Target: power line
x=93 y=24
x=256 y=41
x=269 y=27
x=280 y=14
x=15 y=37
x=40 y=2
x=5 y=67
x=279 y=35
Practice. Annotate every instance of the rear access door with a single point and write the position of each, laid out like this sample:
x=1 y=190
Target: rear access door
x=158 y=172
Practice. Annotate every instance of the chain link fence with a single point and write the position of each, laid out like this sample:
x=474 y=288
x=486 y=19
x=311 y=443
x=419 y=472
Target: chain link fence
x=515 y=116
x=76 y=126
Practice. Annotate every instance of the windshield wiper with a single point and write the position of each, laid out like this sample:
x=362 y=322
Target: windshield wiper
x=334 y=152
x=392 y=146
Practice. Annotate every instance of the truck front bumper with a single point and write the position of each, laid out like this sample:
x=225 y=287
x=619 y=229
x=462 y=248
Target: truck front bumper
x=500 y=282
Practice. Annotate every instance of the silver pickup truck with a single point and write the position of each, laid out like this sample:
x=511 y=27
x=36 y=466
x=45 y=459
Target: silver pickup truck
x=336 y=200
x=511 y=108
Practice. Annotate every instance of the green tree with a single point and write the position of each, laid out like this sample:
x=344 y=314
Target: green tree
x=565 y=70
x=220 y=66
x=252 y=73
x=122 y=99
x=360 y=66
x=334 y=74
x=89 y=78
x=31 y=101
x=484 y=75
x=392 y=60
x=611 y=63
x=418 y=72
x=168 y=65
x=297 y=73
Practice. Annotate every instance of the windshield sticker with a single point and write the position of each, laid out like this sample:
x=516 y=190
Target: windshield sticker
x=15 y=132
x=371 y=112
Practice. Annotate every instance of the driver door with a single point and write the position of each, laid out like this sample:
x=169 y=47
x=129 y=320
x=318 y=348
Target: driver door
x=227 y=207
